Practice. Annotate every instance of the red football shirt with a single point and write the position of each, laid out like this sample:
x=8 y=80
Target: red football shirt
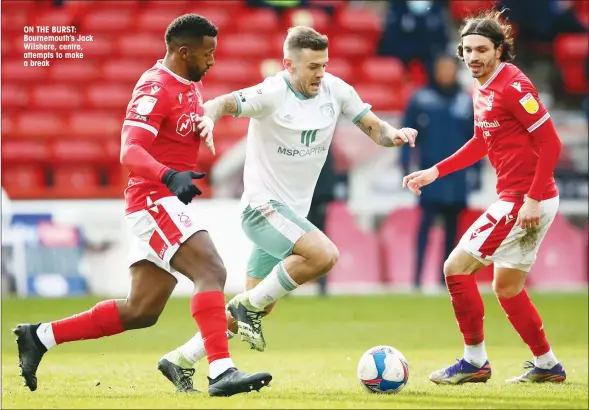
x=507 y=113
x=169 y=107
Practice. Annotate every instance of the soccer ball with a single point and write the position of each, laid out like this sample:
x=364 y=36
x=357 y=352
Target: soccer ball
x=383 y=369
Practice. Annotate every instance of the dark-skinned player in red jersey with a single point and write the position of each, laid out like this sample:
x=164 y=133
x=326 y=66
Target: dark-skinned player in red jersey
x=161 y=136
x=514 y=129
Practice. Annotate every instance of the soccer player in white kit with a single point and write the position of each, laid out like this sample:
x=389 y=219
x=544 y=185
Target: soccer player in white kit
x=293 y=119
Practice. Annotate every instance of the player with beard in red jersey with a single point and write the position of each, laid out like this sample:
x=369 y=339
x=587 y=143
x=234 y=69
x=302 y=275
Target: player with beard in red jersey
x=514 y=129
x=161 y=137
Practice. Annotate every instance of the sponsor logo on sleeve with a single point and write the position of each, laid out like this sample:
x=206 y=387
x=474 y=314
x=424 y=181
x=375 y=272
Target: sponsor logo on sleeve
x=530 y=104
x=140 y=117
x=145 y=105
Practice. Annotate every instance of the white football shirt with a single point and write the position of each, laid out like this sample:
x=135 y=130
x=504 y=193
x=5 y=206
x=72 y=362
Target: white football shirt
x=289 y=137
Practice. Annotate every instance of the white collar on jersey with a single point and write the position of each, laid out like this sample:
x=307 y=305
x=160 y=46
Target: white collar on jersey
x=495 y=74
x=161 y=66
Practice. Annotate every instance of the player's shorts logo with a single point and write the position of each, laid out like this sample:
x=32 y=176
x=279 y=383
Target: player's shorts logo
x=529 y=103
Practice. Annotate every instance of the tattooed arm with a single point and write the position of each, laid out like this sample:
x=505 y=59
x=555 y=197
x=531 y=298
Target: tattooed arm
x=220 y=106
x=383 y=133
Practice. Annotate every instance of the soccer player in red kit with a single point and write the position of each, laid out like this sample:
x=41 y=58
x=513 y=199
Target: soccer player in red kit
x=514 y=129
x=161 y=136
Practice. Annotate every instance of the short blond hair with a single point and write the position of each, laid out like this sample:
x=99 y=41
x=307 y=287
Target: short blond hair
x=300 y=37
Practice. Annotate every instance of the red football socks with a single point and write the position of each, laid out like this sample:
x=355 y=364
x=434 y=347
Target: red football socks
x=468 y=307
x=526 y=320
x=208 y=309
x=102 y=320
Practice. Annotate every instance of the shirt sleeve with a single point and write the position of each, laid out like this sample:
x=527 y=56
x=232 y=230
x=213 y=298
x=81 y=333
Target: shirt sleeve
x=352 y=106
x=260 y=100
x=148 y=107
x=474 y=150
x=522 y=101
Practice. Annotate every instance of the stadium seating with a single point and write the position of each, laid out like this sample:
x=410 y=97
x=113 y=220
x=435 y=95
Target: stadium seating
x=359 y=259
x=13 y=97
x=570 y=51
x=554 y=268
x=24 y=181
x=398 y=236
x=105 y=21
x=75 y=72
x=316 y=18
x=459 y=9
x=38 y=125
x=84 y=100
x=362 y=22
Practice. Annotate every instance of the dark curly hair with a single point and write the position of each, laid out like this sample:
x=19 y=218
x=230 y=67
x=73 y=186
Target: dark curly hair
x=189 y=27
x=490 y=24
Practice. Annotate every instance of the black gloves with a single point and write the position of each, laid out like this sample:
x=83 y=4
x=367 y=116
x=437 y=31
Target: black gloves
x=181 y=185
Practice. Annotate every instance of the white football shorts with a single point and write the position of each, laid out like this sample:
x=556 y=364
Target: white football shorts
x=159 y=231
x=494 y=238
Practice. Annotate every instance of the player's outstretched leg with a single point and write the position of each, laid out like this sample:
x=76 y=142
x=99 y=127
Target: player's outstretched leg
x=178 y=365
x=179 y=371
x=198 y=259
x=526 y=320
x=249 y=320
x=186 y=356
x=469 y=311
x=150 y=289
x=309 y=254
x=30 y=353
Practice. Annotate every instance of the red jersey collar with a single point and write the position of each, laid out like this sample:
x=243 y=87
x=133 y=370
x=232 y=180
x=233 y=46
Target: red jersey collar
x=161 y=66
x=495 y=74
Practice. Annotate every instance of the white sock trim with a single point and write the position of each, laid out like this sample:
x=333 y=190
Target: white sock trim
x=546 y=361
x=194 y=349
x=284 y=274
x=217 y=367
x=475 y=354
x=45 y=334
x=274 y=286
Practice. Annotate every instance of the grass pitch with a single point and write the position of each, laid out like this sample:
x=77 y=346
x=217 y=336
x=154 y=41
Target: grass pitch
x=313 y=348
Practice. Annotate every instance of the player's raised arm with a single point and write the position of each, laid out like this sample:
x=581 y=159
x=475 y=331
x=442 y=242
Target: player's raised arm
x=148 y=107
x=385 y=134
x=220 y=106
x=473 y=151
x=253 y=102
x=381 y=132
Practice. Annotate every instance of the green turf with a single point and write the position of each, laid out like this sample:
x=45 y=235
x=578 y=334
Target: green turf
x=313 y=348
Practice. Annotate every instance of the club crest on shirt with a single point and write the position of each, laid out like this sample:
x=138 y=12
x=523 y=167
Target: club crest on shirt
x=529 y=103
x=327 y=110
x=490 y=100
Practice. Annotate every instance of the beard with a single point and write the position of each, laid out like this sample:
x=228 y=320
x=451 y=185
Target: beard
x=195 y=75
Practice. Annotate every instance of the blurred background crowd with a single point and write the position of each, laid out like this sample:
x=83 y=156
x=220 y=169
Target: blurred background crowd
x=62 y=182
